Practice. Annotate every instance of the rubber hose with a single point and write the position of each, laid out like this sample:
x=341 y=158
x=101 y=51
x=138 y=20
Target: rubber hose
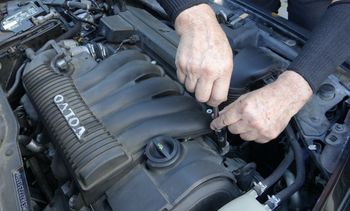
x=77 y=5
x=295 y=200
x=286 y=193
x=14 y=87
x=280 y=170
x=41 y=179
x=299 y=180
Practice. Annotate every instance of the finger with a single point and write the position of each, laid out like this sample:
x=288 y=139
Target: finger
x=219 y=92
x=229 y=117
x=239 y=127
x=249 y=136
x=190 y=83
x=180 y=76
x=180 y=62
x=203 y=90
x=232 y=104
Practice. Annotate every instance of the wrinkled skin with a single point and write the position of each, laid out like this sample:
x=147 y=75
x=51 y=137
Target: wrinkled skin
x=261 y=115
x=204 y=58
x=204 y=65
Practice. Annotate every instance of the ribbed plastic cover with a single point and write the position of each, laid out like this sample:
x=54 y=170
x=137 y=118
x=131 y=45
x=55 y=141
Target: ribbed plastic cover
x=101 y=118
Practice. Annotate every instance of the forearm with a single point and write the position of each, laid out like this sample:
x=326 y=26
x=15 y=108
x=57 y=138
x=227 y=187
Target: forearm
x=328 y=46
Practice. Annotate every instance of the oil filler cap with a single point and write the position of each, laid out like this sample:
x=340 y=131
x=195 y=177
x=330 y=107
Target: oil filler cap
x=162 y=151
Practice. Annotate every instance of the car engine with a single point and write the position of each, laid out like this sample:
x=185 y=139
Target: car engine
x=95 y=119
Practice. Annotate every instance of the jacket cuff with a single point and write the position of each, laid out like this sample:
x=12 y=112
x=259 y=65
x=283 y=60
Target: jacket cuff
x=174 y=7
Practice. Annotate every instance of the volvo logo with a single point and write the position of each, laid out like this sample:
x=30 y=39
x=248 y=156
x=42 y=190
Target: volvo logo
x=69 y=115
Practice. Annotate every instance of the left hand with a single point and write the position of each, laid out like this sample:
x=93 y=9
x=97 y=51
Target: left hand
x=204 y=57
x=262 y=115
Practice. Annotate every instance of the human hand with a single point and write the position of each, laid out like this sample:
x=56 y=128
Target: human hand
x=262 y=115
x=204 y=57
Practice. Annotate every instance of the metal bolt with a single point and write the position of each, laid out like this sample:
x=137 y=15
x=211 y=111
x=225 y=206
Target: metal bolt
x=62 y=64
x=153 y=62
x=209 y=111
x=291 y=43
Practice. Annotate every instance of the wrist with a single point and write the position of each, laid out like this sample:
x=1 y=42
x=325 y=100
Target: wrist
x=295 y=86
x=292 y=92
x=199 y=16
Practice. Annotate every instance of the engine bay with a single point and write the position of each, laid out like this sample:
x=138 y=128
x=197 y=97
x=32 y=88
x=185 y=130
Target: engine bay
x=95 y=119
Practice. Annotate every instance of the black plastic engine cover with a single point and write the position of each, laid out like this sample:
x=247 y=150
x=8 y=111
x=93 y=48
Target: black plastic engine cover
x=100 y=118
x=196 y=180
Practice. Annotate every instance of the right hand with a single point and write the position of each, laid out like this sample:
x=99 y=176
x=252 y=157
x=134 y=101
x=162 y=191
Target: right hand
x=261 y=115
x=204 y=57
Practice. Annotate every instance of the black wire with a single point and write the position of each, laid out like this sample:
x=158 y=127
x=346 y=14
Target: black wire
x=79 y=19
x=15 y=84
x=95 y=3
x=89 y=33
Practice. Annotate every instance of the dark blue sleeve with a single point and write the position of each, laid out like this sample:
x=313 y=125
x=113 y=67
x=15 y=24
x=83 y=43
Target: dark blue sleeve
x=328 y=46
x=174 y=7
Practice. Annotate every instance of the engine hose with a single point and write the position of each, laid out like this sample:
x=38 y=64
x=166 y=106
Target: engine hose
x=16 y=83
x=41 y=179
x=276 y=175
x=71 y=32
x=295 y=199
x=286 y=193
x=45 y=47
x=79 y=11
x=77 y=5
